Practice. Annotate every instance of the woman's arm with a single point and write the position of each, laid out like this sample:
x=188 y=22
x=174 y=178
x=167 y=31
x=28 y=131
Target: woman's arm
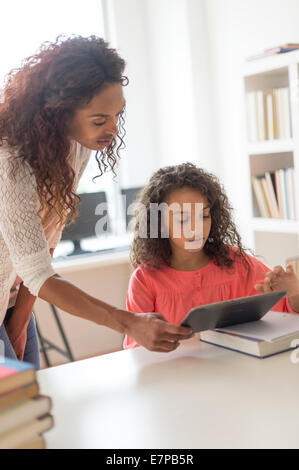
x=148 y=329
x=24 y=236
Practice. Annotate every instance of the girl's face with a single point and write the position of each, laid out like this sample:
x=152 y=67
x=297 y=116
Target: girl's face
x=95 y=125
x=188 y=220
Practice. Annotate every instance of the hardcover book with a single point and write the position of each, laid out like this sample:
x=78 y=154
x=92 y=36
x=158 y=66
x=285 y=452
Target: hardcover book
x=276 y=332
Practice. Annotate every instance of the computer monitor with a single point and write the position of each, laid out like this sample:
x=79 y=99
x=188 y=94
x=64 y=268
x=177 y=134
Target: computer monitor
x=89 y=222
x=129 y=196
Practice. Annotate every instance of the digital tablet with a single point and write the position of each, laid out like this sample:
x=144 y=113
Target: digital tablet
x=231 y=312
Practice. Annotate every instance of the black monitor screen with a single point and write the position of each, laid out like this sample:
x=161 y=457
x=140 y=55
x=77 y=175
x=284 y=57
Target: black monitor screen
x=129 y=196
x=92 y=220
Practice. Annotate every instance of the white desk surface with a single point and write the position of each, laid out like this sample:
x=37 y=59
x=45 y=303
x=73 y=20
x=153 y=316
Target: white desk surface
x=199 y=396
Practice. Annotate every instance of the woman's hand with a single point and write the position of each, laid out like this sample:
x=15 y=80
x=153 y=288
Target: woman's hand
x=280 y=279
x=152 y=331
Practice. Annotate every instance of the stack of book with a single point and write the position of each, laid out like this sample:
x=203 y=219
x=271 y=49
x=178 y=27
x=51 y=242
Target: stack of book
x=268 y=114
x=289 y=47
x=275 y=194
x=24 y=413
x=276 y=332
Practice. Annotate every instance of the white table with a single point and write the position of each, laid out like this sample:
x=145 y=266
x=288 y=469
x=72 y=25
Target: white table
x=199 y=396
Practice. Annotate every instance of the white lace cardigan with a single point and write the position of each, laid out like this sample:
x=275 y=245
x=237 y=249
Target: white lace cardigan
x=24 y=242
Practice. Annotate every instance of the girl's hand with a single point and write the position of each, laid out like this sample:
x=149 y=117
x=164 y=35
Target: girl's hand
x=152 y=331
x=280 y=279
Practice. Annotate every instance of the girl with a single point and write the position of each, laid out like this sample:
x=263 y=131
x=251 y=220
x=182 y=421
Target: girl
x=183 y=267
x=62 y=103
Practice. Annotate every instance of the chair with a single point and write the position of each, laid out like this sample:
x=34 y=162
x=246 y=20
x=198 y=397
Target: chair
x=46 y=345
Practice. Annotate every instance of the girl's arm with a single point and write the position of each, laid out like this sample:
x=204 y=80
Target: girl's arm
x=149 y=329
x=280 y=279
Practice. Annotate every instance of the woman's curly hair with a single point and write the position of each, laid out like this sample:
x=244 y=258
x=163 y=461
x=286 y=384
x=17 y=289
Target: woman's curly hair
x=223 y=234
x=40 y=98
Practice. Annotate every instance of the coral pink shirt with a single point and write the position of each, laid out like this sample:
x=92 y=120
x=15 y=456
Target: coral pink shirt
x=173 y=293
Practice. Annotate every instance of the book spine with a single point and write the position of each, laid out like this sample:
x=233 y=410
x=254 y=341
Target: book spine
x=285 y=113
x=251 y=117
x=292 y=181
x=283 y=193
x=259 y=195
x=288 y=213
x=272 y=196
x=267 y=196
x=25 y=433
x=290 y=193
x=260 y=115
x=23 y=392
x=270 y=116
x=278 y=194
x=276 y=110
x=23 y=411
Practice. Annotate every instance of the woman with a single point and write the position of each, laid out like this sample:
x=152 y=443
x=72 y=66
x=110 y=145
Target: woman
x=62 y=103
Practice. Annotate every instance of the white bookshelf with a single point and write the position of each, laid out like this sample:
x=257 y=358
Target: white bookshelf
x=276 y=239
x=270 y=146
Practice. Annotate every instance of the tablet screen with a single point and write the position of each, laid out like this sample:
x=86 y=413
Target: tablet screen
x=231 y=312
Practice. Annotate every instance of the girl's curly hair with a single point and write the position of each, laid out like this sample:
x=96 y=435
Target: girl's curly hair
x=40 y=98
x=223 y=234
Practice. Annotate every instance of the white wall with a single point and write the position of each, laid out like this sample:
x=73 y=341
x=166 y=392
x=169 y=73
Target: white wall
x=128 y=33
x=185 y=100
x=168 y=104
x=237 y=29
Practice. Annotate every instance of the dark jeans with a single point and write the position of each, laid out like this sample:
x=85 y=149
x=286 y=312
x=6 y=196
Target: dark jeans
x=31 y=353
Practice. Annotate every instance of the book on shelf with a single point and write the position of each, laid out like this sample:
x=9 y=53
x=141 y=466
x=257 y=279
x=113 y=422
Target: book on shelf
x=251 y=116
x=268 y=114
x=282 y=113
x=275 y=194
x=286 y=112
x=270 y=122
x=282 y=48
x=276 y=332
x=278 y=188
x=289 y=47
x=288 y=209
x=24 y=413
x=260 y=115
x=290 y=185
x=277 y=113
x=259 y=195
x=267 y=196
x=283 y=192
x=272 y=196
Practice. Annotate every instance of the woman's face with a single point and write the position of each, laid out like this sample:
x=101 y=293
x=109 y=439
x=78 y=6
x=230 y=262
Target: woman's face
x=188 y=220
x=95 y=125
